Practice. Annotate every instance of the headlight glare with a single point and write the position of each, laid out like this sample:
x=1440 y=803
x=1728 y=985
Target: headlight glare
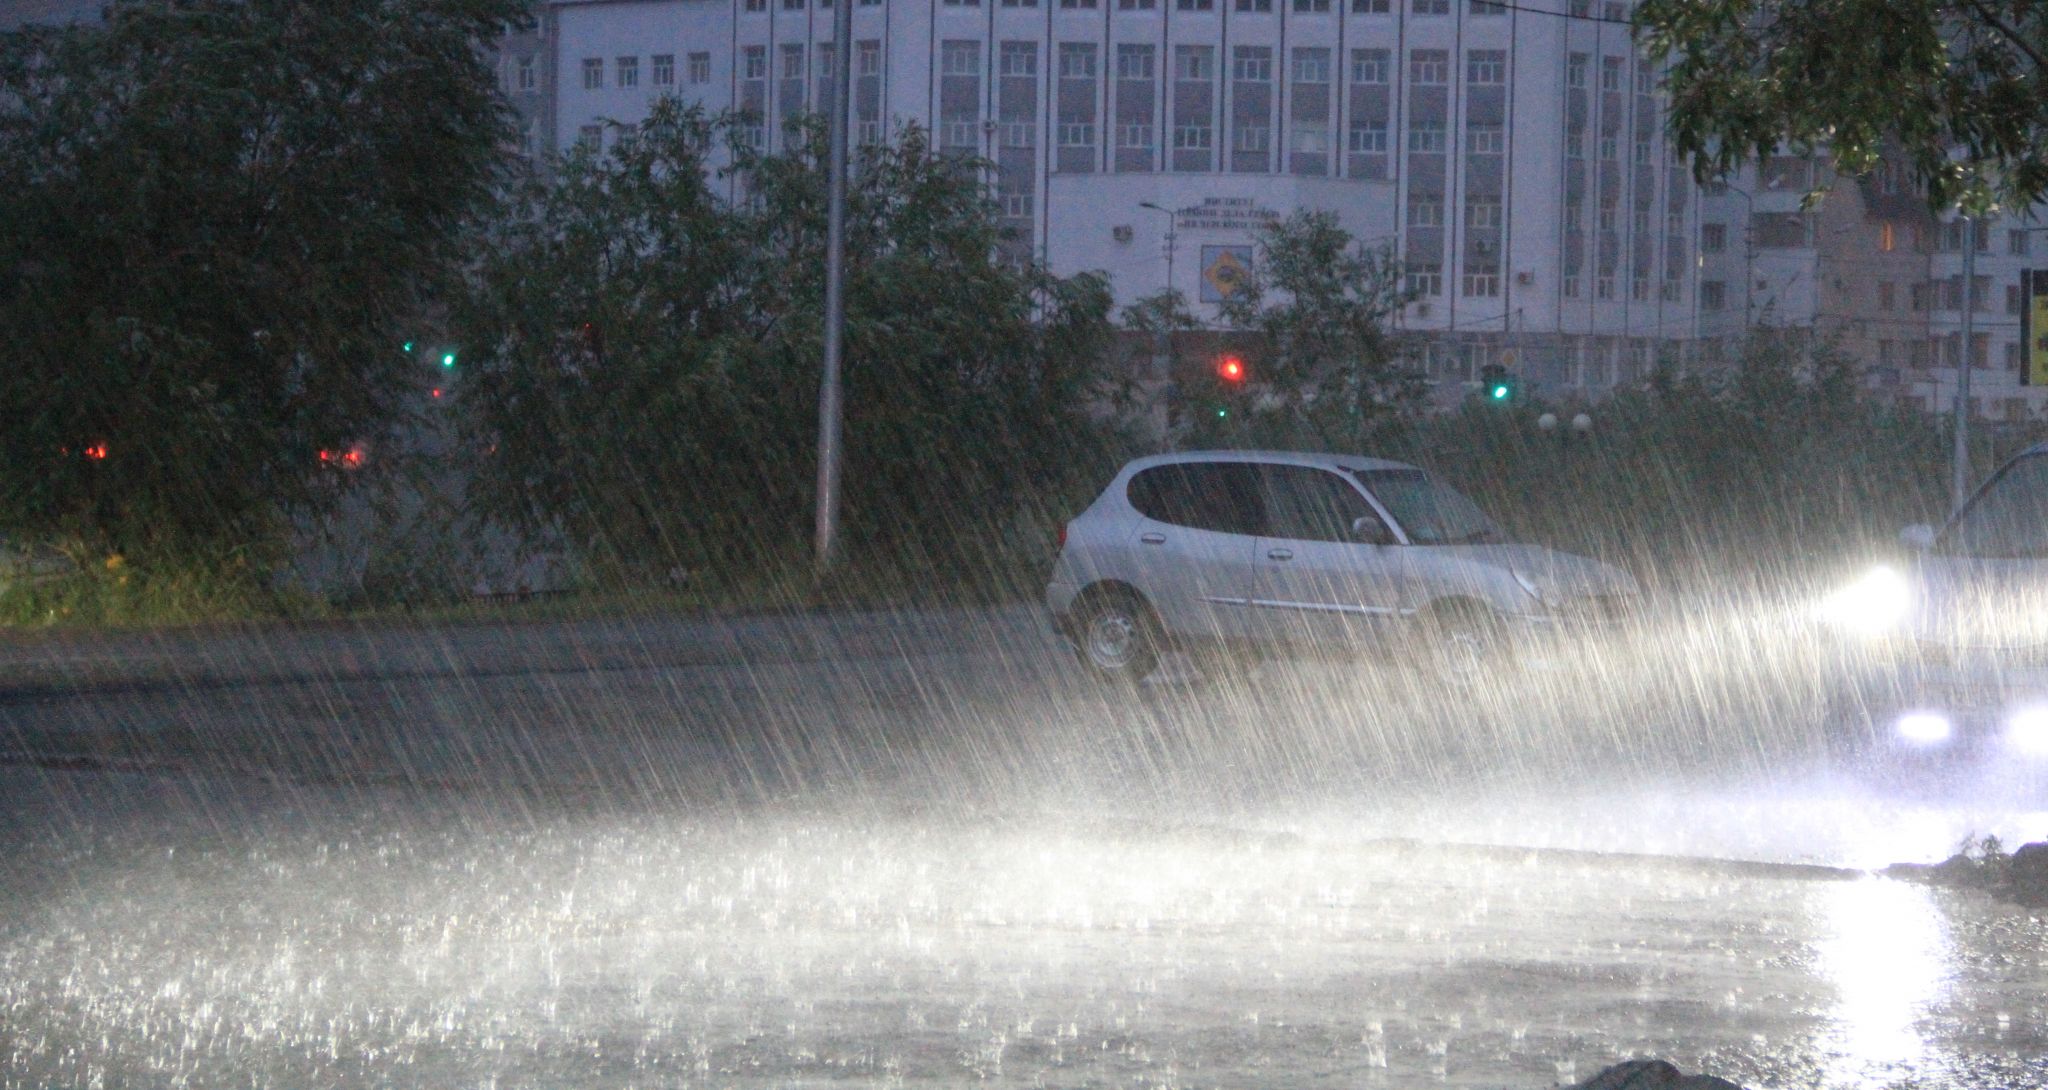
x=1873 y=605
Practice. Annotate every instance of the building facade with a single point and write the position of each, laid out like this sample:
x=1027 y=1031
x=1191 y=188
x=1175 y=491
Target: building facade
x=1514 y=156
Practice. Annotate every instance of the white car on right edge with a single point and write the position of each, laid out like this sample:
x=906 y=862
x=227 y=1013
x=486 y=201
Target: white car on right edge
x=1948 y=652
x=1317 y=551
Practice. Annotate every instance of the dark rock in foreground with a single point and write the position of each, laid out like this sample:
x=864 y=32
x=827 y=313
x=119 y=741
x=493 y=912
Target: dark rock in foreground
x=1652 y=1075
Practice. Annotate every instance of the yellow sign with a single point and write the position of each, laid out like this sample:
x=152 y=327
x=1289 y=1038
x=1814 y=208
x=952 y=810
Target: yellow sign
x=1224 y=273
x=2034 y=328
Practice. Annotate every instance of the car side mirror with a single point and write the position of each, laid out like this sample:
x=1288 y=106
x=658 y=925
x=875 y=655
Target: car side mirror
x=1919 y=537
x=1368 y=530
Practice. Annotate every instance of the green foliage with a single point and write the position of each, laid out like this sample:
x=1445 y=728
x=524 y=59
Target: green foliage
x=217 y=215
x=1857 y=76
x=682 y=436
x=1312 y=320
x=1760 y=468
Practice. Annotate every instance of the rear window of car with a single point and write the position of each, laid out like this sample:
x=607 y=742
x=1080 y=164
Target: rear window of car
x=1218 y=496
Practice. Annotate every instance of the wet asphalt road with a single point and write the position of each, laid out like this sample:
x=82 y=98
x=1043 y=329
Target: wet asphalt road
x=918 y=849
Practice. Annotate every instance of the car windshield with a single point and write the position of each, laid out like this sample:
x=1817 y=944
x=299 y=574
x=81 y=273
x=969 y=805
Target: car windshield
x=1432 y=513
x=2008 y=519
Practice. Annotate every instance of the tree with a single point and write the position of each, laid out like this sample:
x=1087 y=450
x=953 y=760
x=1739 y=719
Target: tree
x=1313 y=321
x=219 y=217
x=688 y=438
x=1854 y=77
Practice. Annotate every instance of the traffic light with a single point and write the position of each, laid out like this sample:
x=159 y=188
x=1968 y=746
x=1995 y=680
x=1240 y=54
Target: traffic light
x=448 y=360
x=1498 y=386
x=1231 y=370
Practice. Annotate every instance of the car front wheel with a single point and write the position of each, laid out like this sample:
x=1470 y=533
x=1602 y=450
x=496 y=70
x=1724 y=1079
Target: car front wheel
x=1117 y=638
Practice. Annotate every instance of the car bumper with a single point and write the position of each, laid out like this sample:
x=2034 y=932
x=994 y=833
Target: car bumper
x=1944 y=702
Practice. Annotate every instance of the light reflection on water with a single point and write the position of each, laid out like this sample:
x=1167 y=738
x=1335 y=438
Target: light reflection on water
x=1886 y=949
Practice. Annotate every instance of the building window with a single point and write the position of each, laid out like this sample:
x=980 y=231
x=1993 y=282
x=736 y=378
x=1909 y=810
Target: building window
x=1713 y=238
x=1713 y=295
x=1310 y=6
x=1887 y=295
x=1311 y=66
x=1195 y=5
x=2017 y=244
x=1487 y=7
x=1311 y=138
x=1486 y=140
x=1077 y=134
x=1134 y=62
x=664 y=65
x=1255 y=5
x=590 y=137
x=1429 y=67
x=1251 y=138
x=792 y=62
x=1017 y=134
x=1077 y=60
x=1252 y=64
x=757 y=5
x=1426 y=136
x=1134 y=136
x=754 y=62
x=1571 y=287
x=1194 y=62
x=960 y=58
x=1887 y=237
x=1368 y=137
x=1020 y=4
x=2013 y=302
x=1610 y=73
x=1369 y=65
x=1482 y=214
x=700 y=68
x=1482 y=282
x=1425 y=210
x=1136 y=5
x=1486 y=66
x=1575 y=71
x=1370 y=7
x=1603 y=287
x=1017 y=59
x=1610 y=147
x=1646 y=80
x=867 y=58
x=1425 y=278
x=1192 y=137
x=526 y=78
x=1077 y=5
x=1430 y=7
x=593 y=73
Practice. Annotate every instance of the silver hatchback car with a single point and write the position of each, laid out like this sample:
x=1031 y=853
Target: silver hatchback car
x=1320 y=551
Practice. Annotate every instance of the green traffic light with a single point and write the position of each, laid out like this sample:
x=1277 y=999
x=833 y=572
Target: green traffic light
x=447 y=359
x=1500 y=393
x=408 y=346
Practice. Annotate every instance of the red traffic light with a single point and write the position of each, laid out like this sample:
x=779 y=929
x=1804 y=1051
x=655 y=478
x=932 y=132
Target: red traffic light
x=1230 y=369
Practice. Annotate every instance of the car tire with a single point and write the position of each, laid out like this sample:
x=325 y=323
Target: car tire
x=1468 y=645
x=1117 y=638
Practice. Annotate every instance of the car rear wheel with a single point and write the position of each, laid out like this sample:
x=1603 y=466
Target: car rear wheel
x=1117 y=638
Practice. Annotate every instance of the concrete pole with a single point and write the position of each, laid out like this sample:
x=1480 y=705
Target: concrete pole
x=1959 y=489
x=830 y=411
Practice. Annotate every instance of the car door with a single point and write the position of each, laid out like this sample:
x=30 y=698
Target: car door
x=1319 y=582
x=1193 y=545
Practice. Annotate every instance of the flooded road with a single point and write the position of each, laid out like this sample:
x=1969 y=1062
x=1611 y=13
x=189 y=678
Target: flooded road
x=916 y=850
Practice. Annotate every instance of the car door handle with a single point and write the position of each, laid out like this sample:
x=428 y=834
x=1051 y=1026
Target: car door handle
x=1152 y=539
x=1280 y=554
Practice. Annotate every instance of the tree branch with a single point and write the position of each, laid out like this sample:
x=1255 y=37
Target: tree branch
x=1985 y=13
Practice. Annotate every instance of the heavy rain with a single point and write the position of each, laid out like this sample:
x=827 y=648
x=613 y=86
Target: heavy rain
x=511 y=583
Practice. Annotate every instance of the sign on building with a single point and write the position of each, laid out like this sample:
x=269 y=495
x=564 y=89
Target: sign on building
x=1223 y=271
x=2034 y=327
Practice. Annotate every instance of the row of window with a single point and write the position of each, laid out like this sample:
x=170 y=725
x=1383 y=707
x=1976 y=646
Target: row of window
x=625 y=71
x=1304 y=7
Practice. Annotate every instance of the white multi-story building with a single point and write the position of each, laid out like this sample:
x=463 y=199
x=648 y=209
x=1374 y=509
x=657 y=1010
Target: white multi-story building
x=1514 y=158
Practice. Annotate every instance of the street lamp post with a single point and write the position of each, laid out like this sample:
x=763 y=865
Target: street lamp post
x=1163 y=348
x=1966 y=361
x=829 y=408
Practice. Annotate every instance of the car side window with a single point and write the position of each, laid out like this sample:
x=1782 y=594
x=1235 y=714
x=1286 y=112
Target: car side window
x=1308 y=504
x=1218 y=496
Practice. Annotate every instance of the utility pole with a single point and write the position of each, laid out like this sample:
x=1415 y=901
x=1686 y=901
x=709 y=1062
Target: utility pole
x=1163 y=350
x=830 y=411
x=1959 y=486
